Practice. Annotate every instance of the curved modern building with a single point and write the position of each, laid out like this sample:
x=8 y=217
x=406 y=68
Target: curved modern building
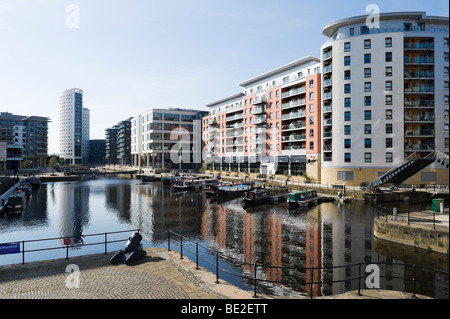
x=385 y=96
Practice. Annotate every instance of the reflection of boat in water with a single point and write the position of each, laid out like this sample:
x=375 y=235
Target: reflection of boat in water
x=34 y=181
x=303 y=198
x=149 y=178
x=26 y=187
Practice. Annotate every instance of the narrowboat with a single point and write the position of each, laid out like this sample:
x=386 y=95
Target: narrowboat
x=303 y=198
x=278 y=194
x=237 y=189
x=15 y=202
x=257 y=196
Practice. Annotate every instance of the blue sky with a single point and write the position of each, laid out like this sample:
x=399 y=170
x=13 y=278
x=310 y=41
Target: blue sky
x=130 y=56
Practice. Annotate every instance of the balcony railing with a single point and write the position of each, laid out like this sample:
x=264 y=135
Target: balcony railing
x=410 y=133
x=234 y=117
x=419 y=75
x=293 y=115
x=293 y=126
x=418 y=118
x=293 y=92
x=293 y=138
x=293 y=103
x=327 y=95
x=419 y=60
x=418 y=45
x=422 y=89
x=421 y=103
x=258 y=110
x=327 y=69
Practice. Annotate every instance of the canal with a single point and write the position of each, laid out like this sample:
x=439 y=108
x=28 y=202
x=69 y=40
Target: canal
x=327 y=235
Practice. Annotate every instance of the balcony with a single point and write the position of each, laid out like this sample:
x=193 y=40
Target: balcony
x=421 y=90
x=235 y=126
x=326 y=108
x=326 y=82
x=327 y=134
x=258 y=110
x=327 y=95
x=260 y=119
x=420 y=147
x=327 y=148
x=419 y=104
x=259 y=100
x=417 y=46
x=418 y=118
x=327 y=121
x=327 y=55
x=418 y=133
x=293 y=103
x=234 y=117
x=293 y=115
x=293 y=92
x=327 y=69
x=293 y=126
x=294 y=138
x=293 y=148
x=418 y=60
x=419 y=75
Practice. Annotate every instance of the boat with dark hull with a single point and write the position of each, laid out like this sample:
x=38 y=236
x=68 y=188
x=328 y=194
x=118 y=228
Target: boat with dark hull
x=303 y=198
x=237 y=190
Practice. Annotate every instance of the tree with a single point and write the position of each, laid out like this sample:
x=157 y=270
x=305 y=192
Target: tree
x=52 y=163
x=26 y=164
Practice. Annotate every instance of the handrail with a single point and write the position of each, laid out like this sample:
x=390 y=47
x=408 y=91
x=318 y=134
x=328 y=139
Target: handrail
x=307 y=270
x=105 y=242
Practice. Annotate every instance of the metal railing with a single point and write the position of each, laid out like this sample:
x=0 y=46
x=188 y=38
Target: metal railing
x=67 y=242
x=385 y=212
x=310 y=284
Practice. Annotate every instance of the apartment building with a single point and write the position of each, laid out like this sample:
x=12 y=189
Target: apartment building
x=29 y=134
x=384 y=96
x=167 y=139
x=118 y=143
x=273 y=126
x=74 y=128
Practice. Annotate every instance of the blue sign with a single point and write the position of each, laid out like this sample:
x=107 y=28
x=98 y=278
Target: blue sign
x=10 y=248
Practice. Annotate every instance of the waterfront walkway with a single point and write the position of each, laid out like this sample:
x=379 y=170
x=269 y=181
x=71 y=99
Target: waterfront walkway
x=159 y=275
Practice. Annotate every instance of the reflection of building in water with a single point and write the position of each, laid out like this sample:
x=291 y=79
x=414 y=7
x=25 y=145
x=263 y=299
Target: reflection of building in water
x=314 y=252
x=74 y=212
x=221 y=226
x=249 y=235
x=274 y=246
x=118 y=200
x=155 y=209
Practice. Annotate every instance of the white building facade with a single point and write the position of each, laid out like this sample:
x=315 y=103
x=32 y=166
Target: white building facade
x=384 y=96
x=74 y=128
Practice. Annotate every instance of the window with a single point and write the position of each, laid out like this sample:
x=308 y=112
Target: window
x=311 y=132
x=389 y=142
x=388 y=57
x=346 y=46
x=446 y=70
x=388 y=71
x=347 y=88
x=407 y=26
x=311 y=145
x=364 y=29
x=347 y=102
x=347 y=129
x=347 y=116
x=311 y=108
x=347 y=60
x=311 y=120
x=389 y=128
x=445 y=42
x=347 y=157
x=286 y=79
x=311 y=84
x=367 y=72
x=388 y=114
x=388 y=86
x=446 y=57
x=352 y=31
x=388 y=99
x=347 y=75
x=311 y=96
x=367 y=101
x=367 y=86
x=367 y=157
x=367 y=44
x=367 y=115
x=347 y=143
x=388 y=157
x=367 y=58
x=388 y=42
x=368 y=143
x=367 y=129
